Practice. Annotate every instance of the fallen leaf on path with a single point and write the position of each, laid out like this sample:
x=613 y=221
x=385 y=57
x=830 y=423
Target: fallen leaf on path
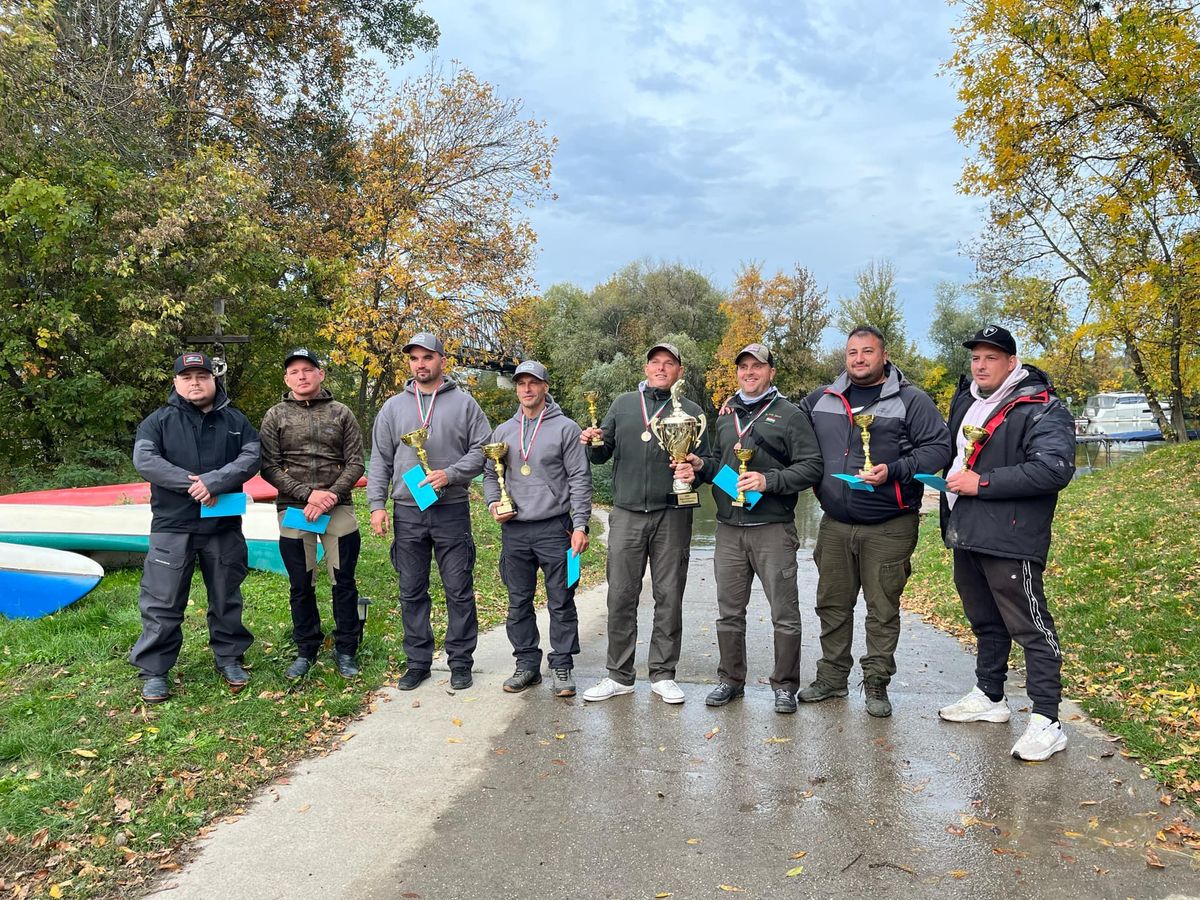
x=1073 y=834
x=416 y=704
x=86 y=754
x=708 y=736
x=559 y=762
x=731 y=889
x=453 y=740
x=799 y=854
x=662 y=894
x=955 y=830
x=457 y=723
x=1153 y=861
x=777 y=740
x=305 y=808
x=792 y=873
x=500 y=751
x=693 y=840
x=954 y=756
x=958 y=873
x=969 y=821
x=1166 y=799
x=560 y=737
x=1089 y=802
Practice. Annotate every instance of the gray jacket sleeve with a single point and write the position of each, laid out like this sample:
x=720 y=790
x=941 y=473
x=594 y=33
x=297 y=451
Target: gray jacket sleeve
x=470 y=464
x=807 y=466
x=932 y=449
x=151 y=464
x=491 y=484
x=383 y=455
x=231 y=476
x=579 y=478
x=1049 y=460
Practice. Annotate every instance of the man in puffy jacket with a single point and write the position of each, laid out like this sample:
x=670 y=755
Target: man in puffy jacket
x=867 y=535
x=996 y=515
x=549 y=482
x=312 y=453
x=191 y=450
x=457 y=430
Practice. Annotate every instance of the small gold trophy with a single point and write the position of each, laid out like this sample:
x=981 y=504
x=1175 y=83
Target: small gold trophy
x=864 y=421
x=591 y=397
x=679 y=434
x=416 y=440
x=498 y=453
x=743 y=454
x=974 y=434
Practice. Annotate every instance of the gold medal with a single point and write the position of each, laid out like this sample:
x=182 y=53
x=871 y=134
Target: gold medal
x=525 y=470
x=646 y=437
x=737 y=446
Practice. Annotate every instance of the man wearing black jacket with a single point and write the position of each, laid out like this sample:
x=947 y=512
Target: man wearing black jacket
x=866 y=537
x=759 y=539
x=996 y=516
x=191 y=450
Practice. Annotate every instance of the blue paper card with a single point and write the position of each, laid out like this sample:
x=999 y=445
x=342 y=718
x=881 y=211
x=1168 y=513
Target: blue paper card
x=293 y=517
x=726 y=480
x=425 y=496
x=572 y=567
x=856 y=483
x=934 y=481
x=226 y=505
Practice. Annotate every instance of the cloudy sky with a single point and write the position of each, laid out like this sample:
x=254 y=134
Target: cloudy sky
x=717 y=133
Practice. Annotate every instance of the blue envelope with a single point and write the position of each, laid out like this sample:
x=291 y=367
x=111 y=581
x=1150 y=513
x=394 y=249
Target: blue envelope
x=726 y=480
x=572 y=567
x=293 y=517
x=856 y=483
x=226 y=505
x=934 y=481
x=425 y=496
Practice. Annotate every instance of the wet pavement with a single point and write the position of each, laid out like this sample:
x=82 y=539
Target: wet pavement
x=479 y=794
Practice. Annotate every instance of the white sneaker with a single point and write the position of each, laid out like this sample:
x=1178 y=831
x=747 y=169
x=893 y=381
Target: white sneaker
x=1041 y=740
x=976 y=707
x=668 y=690
x=606 y=688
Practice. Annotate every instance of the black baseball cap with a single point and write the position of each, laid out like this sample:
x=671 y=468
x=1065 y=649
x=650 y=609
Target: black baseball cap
x=303 y=353
x=193 y=361
x=996 y=336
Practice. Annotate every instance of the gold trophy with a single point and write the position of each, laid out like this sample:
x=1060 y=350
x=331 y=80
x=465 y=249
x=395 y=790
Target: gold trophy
x=743 y=454
x=416 y=440
x=864 y=421
x=498 y=453
x=974 y=435
x=679 y=434
x=591 y=397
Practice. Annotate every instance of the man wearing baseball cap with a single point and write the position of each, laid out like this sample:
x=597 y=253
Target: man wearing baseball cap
x=457 y=429
x=312 y=453
x=996 y=516
x=759 y=540
x=191 y=450
x=645 y=526
x=549 y=481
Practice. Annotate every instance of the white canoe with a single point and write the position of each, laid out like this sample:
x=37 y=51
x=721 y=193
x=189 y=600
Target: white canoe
x=36 y=581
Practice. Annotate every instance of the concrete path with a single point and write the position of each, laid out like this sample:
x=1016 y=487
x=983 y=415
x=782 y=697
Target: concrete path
x=480 y=794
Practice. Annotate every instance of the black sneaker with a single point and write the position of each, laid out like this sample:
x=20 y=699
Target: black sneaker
x=347 y=665
x=818 y=691
x=785 y=702
x=521 y=679
x=299 y=668
x=878 y=703
x=723 y=693
x=412 y=678
x=460 y=678
x=235 y=676
x=155 y=688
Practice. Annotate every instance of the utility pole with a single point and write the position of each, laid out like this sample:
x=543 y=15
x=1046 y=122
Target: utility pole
x=218 y=339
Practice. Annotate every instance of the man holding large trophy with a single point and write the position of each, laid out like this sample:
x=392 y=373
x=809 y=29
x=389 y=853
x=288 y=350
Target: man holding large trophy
x=1016 y=451
x=869 y=528
x=771 y=443
x=651 y=520
x=427 y=446
x=538 y=485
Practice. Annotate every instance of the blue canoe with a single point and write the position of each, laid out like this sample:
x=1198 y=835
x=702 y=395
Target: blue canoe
x=36 y=581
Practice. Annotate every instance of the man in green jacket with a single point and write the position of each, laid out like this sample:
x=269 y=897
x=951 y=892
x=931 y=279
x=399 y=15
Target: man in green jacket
x=312 y=454
x=645 y=525
x=759 y=538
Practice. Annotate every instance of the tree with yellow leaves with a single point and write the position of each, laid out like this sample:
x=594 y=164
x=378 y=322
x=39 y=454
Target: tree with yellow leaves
x=746 y=319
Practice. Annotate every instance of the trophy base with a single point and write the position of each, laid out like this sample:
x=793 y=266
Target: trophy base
x=691 y=498
x=596 y=442
x=503 y=509
x=737 y=503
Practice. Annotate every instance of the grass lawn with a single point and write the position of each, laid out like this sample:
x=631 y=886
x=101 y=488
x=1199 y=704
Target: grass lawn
x=99 y=792
x=1123 y=583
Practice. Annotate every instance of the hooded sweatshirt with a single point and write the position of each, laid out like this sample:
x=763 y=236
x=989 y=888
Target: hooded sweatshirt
x=311 y=445
x=560 y=477
x=458 y=429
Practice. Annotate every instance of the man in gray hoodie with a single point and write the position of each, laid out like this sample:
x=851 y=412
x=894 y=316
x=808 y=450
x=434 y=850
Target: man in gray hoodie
x=549 y=481
x=457 y=429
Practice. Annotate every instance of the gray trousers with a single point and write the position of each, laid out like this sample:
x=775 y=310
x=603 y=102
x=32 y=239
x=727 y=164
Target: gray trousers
x=1004 y=601
x=664 y=539
x=166 y=580
x=444 y=532
x=768 y=551
x=876 y=559
x=526 y=548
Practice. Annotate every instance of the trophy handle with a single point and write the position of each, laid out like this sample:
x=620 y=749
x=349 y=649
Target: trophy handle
x=703 y=425
x=654 y=429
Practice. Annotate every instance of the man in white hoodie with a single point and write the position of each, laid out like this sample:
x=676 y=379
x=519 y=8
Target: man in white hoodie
x=549 y=480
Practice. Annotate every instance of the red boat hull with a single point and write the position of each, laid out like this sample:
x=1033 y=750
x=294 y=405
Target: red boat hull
x=117 y=494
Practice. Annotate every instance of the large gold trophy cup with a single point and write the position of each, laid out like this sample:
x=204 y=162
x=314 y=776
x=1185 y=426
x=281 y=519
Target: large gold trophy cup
x=498 y=453
x=416 y=440
x=591 y=397
x=744 y=455
x=863 y=421
x=679 y=434
x=974 y=435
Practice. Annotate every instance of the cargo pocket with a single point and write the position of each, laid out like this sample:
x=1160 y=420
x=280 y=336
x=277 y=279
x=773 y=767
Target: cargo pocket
x=164 y=569
x=234 y=558
x=892 y=578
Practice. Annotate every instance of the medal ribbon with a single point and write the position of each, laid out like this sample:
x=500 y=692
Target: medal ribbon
x=737 y=422
x=426 y=418
x=525 y=451
x=647 y=419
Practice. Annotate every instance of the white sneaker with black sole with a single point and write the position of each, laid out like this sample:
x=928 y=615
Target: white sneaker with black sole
x=976 y=707
x=1041 y=740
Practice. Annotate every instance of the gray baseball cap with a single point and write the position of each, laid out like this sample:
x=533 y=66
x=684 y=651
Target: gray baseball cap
x=428 y=340
x=670 y=348
x=532 y=367
x=761 y=352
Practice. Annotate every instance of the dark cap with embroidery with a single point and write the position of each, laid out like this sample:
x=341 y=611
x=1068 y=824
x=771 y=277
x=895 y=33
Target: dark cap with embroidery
x=193 y=361
x=302 y=353
x=996 y=336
